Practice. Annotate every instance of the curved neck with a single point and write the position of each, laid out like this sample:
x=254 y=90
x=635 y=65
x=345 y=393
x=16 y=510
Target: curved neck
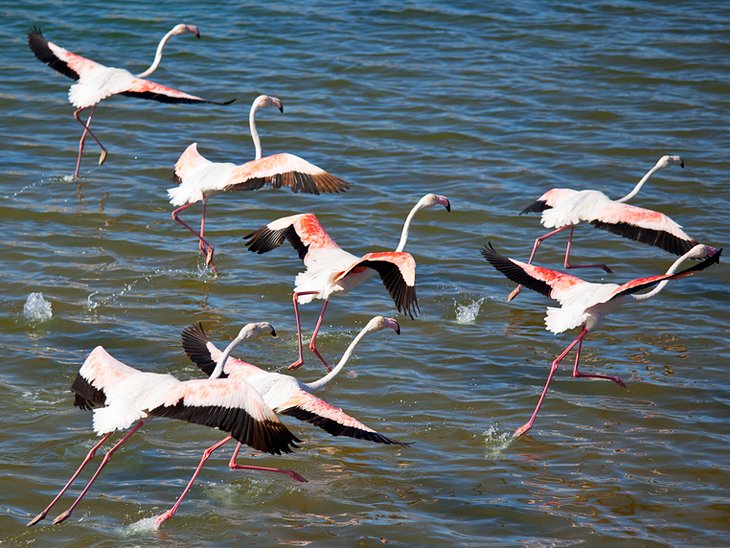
x=406 y=227
x=662 y=284
x=316 y=385
x=254 y=133
x=158 y=56
x=638 y=186
x=224 y=358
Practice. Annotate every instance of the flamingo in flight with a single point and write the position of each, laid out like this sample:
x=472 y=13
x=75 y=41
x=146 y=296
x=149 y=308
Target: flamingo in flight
x=333 y=271
x=285 y=394
x=585 y=304
x=123 y=397
x=563 y=208
x=200 y=178
x=95 y=82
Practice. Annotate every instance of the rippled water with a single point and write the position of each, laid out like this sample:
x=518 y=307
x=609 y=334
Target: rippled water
x=489 y=106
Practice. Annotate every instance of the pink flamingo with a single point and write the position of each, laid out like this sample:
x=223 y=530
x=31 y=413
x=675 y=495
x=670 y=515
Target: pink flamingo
x=585 y=304
x=200 y=178
x=563 y=208
x=95 y=82
x=333 y=271
x=122 y=396
x=285 y=394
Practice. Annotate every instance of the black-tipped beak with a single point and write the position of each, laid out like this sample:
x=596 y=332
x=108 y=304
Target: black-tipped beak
x=397 y=328
x=448 y=206
x=197 y=34
x=281 y=109
x=273 y=332
x=681 y=164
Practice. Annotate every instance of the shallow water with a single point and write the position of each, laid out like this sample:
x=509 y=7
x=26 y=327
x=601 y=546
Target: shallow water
x=489 y=107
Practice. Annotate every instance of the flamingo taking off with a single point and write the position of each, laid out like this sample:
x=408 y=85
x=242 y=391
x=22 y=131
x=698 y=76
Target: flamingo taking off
x=200 y=178
x=122 y=396
x=95 y=82
x=285 y=394
x=585 y=304
x=563 y=208
x=333 y=271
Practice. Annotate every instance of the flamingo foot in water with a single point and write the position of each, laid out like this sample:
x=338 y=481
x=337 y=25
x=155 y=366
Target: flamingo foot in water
x=62 y=517
x=36 y=519
x=102 y=157
x=515 y=292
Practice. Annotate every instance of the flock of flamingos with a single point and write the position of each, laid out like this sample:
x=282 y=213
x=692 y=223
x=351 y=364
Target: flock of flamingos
x=244 y=400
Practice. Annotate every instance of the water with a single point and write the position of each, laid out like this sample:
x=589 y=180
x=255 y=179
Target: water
x=489 y=106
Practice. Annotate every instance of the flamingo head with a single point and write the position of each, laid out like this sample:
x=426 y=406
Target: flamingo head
x=183 y=29
x=378 y=323
x=667 y=160
x=252 y=330
x=430 y=200
x=702 y=251
x=267 y=101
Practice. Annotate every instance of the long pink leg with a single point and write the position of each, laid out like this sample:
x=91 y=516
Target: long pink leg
x=206 y=455
x=567 y=254
x=577 y=373
x=312 y=345
x=233 y=465
x=87 y=128
x=300 y=361
x=205 y=247
x=525 y=427
x=538 y=241
x=90 y=455
x=104 y=461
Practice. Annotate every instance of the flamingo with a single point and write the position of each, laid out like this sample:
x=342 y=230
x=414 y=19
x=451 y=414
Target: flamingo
x=95 y=82
x=200 y=178
x=122 y=396
x=563 y=208
x=285 y=394
x=331 y=270
x=585 y=304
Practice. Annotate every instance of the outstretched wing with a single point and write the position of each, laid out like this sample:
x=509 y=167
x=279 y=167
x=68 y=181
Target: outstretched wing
x=639 y=284
x=147 y=89
x=232 y=406
x=99 y=372
x=550 y=283
x=303 y=231
x=397 y=269
x=67 y=63
x=643 y=225
x=309 y=408
x=286 y=170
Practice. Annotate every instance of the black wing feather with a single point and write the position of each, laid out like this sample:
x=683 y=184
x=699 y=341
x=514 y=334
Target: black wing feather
x=513 y=271
x=336 y=429
x=264 y=240
x=87 y=397
x=39 y=46
x=657 y=238
x=536 y=207
x=194 y=343
x=403 y=295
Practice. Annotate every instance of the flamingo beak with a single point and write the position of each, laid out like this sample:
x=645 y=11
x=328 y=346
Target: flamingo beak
x=681 y=164
x=394 y=325
x=444 y=201
x=273 y=331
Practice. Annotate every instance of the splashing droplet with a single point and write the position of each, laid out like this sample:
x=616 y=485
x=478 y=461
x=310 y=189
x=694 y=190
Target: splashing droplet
x=496 y=442
x=467 y=313
x=36 y=308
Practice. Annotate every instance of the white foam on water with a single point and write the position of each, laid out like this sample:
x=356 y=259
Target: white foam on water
x=37 y=309
x=467 y=313
x=142 y=526
x=497 y=442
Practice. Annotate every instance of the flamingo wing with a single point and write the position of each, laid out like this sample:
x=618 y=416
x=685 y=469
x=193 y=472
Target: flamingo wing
x=550 y=283
x=303 y=231
x=643 y=225
x=234 y=407
x=639 y=284
x=98 y=373
x=67 y=63
x=333 y=420
x=286 y=170
x=549 y=200
x=147 y=89
x=397 y=269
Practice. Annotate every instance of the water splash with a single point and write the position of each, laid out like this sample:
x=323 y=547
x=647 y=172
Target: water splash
x=37 y=309
x=496 y=442
x=467 y=313
x=142 y=526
